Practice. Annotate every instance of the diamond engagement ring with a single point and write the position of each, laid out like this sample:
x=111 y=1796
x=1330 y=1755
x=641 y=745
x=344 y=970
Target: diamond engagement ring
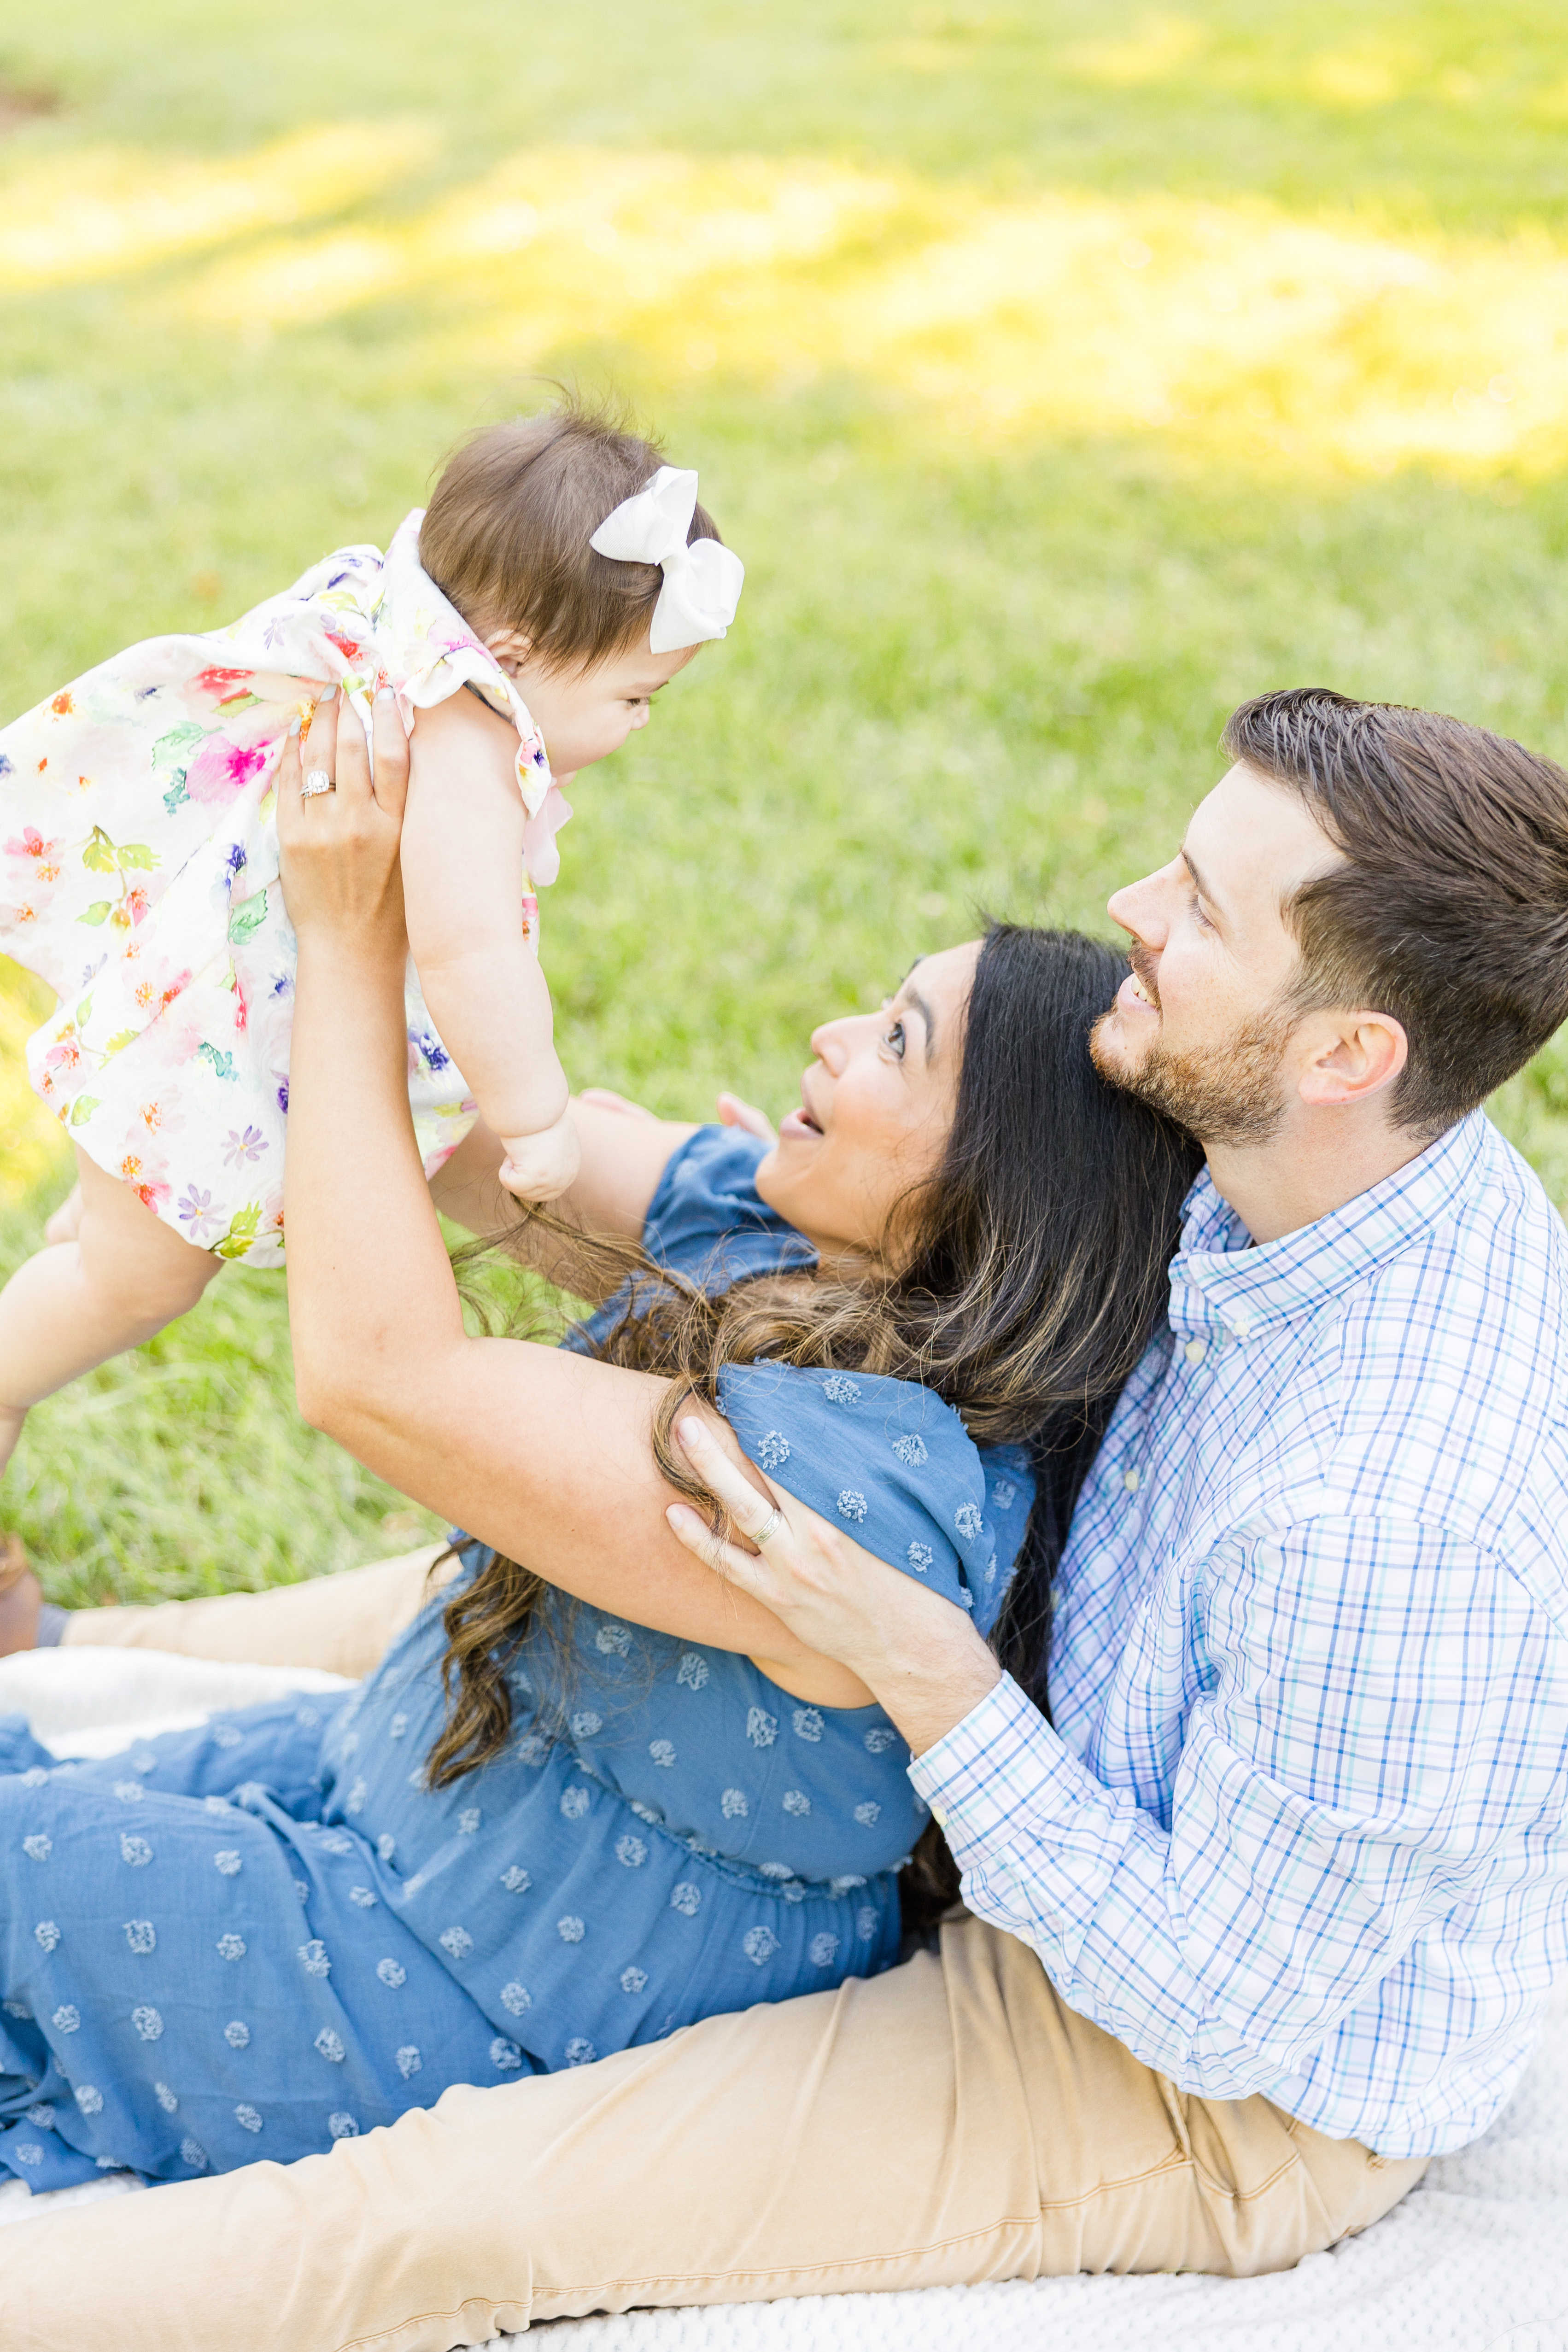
x=768 y=1529
x=317 y=780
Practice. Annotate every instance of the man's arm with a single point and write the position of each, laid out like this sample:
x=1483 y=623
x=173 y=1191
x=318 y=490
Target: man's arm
x=1341 y=1785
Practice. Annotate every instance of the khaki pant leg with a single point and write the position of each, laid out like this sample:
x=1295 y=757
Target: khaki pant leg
x=947 y=2122
x=343 y=1622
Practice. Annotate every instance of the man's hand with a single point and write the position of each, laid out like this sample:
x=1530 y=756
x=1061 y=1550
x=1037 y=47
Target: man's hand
x=919 y=1656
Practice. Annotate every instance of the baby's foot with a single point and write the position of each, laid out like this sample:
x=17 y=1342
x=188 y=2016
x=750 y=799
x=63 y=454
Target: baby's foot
x=66 y=1223
x=21 y=1598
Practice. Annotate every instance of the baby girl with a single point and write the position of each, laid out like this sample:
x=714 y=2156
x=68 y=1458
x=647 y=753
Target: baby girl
x=563 y=576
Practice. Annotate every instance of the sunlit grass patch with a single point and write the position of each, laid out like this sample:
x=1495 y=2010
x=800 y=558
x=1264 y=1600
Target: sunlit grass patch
x=1062 y=374
x=1307 y=343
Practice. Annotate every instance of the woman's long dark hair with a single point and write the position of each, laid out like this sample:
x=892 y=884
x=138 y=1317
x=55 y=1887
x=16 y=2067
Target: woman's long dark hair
x=1032 y=1273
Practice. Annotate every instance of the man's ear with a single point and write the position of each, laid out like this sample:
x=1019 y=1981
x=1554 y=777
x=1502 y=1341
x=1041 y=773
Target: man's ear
x=511 y=649
x=1358 y=1054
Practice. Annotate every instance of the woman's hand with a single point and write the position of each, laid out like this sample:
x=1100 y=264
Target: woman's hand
x=921 y=1656
x=735 y=1111
x=339 y=849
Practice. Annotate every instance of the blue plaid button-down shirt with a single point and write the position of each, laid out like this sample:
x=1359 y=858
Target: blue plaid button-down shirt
x=1301 y=1827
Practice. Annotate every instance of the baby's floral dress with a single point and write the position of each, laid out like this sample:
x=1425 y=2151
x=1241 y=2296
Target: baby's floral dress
x=139 y=880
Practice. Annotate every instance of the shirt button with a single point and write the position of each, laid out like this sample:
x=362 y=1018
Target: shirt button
x=1130 y=1480
x=1195 y=1351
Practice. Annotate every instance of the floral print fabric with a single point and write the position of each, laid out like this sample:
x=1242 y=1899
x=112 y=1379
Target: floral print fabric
x=139 y=880
x=248 y=1939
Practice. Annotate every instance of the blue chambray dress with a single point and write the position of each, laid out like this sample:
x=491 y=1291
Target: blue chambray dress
x=252 y=1938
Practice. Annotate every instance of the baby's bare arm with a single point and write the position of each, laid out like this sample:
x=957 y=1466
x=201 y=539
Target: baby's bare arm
x=462 y=860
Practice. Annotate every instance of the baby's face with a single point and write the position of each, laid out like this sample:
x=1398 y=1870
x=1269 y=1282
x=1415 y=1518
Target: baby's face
x=583 y=715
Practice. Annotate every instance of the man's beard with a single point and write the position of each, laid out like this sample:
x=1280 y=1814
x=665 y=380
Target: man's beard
x=1227 y=1093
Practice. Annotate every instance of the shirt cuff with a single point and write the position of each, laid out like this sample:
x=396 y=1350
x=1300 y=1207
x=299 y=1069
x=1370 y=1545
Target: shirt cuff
x=1002 y=1763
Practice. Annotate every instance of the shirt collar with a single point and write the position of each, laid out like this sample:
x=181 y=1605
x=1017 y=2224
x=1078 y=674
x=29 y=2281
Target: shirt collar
x=1216 y=1278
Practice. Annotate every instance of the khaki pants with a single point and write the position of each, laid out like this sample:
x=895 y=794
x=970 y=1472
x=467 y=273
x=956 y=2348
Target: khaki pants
x=951 y=2121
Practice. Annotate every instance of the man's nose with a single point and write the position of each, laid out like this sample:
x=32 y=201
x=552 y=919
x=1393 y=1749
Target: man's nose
x=1138 y=908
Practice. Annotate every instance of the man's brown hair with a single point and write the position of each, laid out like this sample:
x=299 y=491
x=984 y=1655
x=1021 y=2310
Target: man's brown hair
x=506 y=533
x=1450 y=912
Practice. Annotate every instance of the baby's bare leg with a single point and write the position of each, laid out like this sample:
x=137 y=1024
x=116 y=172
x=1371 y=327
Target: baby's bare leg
x=78 y=1302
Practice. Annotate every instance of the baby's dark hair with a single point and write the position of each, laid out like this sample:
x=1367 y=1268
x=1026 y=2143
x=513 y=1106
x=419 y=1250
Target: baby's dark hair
x=506 y=533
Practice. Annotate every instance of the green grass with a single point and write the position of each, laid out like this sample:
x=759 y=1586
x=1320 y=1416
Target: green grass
x=1046 y=364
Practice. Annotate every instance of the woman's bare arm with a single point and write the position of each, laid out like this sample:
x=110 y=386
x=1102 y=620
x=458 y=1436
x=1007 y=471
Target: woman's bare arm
x=544 y=1455
x=622 y=1160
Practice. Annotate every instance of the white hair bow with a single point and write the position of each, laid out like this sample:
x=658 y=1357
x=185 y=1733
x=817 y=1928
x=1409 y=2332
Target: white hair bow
x=702 y=583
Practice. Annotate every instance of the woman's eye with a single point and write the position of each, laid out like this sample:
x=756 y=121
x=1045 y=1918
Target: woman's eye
x=894 y=1039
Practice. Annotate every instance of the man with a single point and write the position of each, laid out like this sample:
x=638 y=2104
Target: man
x=1267 y=1915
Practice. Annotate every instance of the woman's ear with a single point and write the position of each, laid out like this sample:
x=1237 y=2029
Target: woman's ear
x=511 y=649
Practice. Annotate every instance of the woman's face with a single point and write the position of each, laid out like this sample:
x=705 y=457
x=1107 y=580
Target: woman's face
x=876 y=1107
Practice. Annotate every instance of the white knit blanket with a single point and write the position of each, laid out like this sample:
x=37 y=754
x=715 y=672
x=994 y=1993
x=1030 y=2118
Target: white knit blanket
x=1474 y=2260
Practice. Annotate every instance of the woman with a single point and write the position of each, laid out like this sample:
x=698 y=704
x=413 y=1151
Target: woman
x=908 y=1222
